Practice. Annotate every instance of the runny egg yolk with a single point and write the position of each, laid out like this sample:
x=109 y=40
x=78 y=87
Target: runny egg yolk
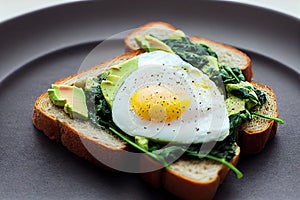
x=158 y=104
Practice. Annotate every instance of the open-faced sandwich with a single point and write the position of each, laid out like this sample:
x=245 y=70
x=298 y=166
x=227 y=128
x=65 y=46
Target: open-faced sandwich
x=184 y=105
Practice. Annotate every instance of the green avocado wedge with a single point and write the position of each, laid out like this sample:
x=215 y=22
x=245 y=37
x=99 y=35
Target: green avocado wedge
x=56 y=97
x=150 y=43
x=71 y=98
x=115 y=78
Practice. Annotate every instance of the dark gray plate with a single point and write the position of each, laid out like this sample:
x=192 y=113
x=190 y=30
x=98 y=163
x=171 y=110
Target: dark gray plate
x=41 y=47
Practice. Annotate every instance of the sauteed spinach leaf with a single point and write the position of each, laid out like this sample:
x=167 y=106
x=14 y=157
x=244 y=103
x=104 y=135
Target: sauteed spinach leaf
x=99 y=110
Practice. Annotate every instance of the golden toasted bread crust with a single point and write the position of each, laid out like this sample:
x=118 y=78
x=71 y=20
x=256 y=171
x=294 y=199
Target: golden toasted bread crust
x=252 y=142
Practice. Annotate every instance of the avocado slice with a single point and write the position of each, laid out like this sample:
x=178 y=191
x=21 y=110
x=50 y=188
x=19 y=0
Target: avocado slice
x=234 y=104
x=115 y=78
x=150 y=43
x=177 y=35
x=71 y=98
x=56 y=97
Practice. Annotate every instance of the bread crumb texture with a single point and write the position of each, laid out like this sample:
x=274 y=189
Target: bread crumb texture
x=200 y=170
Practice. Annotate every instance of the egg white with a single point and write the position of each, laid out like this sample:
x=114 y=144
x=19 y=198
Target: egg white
x=205 y=120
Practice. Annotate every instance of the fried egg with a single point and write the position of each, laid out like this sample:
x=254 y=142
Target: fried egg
x=168 y=100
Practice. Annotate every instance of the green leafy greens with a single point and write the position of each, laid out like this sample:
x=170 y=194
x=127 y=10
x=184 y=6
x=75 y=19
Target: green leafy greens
x=99 y=110
x=199 y=55
x=192 y=53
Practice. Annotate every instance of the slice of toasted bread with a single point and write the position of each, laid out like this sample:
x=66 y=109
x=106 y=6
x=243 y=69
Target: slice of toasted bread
x=228 y=55
x=255 y=134
x=188 y=179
